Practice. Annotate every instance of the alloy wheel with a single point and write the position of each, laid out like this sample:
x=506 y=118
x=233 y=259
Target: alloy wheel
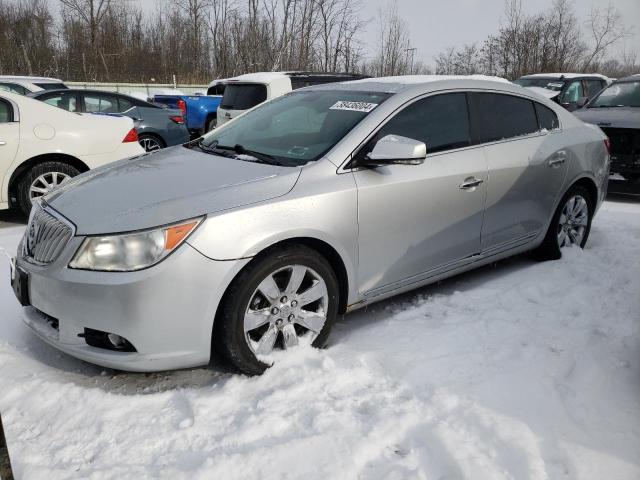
x=574 y=219
x=45 y=183
x=150 y=144
x=289 y=303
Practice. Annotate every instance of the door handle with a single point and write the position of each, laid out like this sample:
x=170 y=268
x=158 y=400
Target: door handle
x=470 y=183
x=558 y=159
x=2 y=144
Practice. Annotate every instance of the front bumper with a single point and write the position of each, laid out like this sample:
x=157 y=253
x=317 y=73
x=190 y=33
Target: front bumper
x=165 y=311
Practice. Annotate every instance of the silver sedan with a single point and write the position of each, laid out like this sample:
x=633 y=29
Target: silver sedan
x=257 y=236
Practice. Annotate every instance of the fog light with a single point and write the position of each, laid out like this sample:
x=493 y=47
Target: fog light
x=116 y=340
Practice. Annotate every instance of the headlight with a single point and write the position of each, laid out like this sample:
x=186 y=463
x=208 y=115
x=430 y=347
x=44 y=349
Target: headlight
x=131 y=251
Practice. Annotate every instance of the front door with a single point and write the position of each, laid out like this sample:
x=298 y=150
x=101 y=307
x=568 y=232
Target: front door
x=416 y=219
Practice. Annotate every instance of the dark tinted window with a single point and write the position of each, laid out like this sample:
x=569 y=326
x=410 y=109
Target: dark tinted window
x=64 y=100
x=216 y=89
x=623 y=94
x=441 y=122
x=593 y=87
x=51 y=86
x=102 y=103
x=6 y=112
x=243 y=97
x=14 y=88
x=547 y=119
x=124 y=104
x=503 y=116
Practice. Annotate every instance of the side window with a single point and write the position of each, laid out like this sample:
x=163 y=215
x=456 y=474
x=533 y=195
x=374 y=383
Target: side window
x=440 y=121
x=66 y=101
x=13 y=88
x=502 y=116
x=124 y=104
x=6 y=112
x=573 y=92
x=547 y=118
x=96 y=103
x=593 y=87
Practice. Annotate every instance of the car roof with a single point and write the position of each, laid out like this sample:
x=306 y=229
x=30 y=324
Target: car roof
x=18 y=78
x=566 y=75
x=406 y=82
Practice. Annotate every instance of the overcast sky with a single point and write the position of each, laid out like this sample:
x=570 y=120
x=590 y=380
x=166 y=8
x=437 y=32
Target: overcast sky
x=437 y=24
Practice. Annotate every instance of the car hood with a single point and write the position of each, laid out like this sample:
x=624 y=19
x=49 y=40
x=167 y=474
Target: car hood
x=164 y=187
x=617 y=117
x=545 y=92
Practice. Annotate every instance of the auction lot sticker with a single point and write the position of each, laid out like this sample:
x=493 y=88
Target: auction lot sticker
x=353 y=106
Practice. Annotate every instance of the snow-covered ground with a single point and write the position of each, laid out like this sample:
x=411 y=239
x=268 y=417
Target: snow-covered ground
x=520 y=370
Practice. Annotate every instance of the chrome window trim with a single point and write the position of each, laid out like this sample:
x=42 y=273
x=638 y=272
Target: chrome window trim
x=343 y=166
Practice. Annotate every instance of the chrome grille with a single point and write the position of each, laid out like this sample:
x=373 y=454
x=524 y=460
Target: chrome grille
x=45 y=237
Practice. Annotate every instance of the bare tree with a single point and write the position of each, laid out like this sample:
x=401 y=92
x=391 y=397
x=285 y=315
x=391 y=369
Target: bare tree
x=605 y=29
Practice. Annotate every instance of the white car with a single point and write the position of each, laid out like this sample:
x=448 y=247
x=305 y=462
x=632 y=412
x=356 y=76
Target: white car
x=25 y=85
x=41 y=146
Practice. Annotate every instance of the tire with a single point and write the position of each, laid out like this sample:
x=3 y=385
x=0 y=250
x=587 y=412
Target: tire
x=150 y=143
x=550 y=249
x=241 y=345
x=212 y=123
x=34 y=177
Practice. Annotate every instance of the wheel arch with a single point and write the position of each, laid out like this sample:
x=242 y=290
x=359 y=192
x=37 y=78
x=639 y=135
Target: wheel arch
x=590 y=185
x=25 y=166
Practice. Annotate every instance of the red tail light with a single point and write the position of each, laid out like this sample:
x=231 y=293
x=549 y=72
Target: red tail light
x=177 y=119
x=607 y=143
x=132 y=136
x=182 y=105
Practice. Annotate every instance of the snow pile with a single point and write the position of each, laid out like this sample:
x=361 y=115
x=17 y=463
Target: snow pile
x=522 y=370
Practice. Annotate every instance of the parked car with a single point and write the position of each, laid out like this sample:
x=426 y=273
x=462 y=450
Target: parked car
x=25 y=85
x=200 y=111
x=571 y=90
x=246 y=91
x=322 y=201
x=616 y=110
x=157 y=127
x=41 y=147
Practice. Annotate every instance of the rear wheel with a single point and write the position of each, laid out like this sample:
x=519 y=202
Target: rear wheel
x=40 y=180
x=570 y=225
x=150 y=143
x=212 y=123
x=285 y=297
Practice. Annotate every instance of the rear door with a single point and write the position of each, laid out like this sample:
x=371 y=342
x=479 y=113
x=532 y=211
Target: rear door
x=527 y=166
x=9 y=139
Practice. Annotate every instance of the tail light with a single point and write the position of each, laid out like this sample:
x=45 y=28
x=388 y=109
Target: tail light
x=177 y=119
x=607 y=143
x=182 y=105
x=132 y=136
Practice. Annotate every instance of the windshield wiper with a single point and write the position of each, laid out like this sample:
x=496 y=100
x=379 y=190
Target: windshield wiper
x=259 y=156
x=213 y=150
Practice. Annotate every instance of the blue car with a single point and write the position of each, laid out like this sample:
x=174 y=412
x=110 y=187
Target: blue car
x=200 y=111
x=157 y=127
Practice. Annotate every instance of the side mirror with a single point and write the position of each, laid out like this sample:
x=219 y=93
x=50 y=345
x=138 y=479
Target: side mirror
x=396 y=150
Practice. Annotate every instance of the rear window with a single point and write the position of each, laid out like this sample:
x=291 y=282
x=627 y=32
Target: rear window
x=216 y=89
x=547 y=118
x=14 y=88
x=503 y=116
x=51 y=86
x=243 y=96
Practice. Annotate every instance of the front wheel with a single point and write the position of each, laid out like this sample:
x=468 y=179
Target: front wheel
x=285 y=297
x=570 y=225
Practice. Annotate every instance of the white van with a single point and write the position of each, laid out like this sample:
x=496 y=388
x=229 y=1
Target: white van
x=246 y=91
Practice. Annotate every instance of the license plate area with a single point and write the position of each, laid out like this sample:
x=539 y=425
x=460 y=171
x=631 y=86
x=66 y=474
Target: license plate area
x=20 y=285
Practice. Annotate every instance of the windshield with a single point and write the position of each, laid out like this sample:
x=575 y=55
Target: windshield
x=625 y=94
x=51 y=86
x=548 y=83
x=296 y=128
x=243 y=96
